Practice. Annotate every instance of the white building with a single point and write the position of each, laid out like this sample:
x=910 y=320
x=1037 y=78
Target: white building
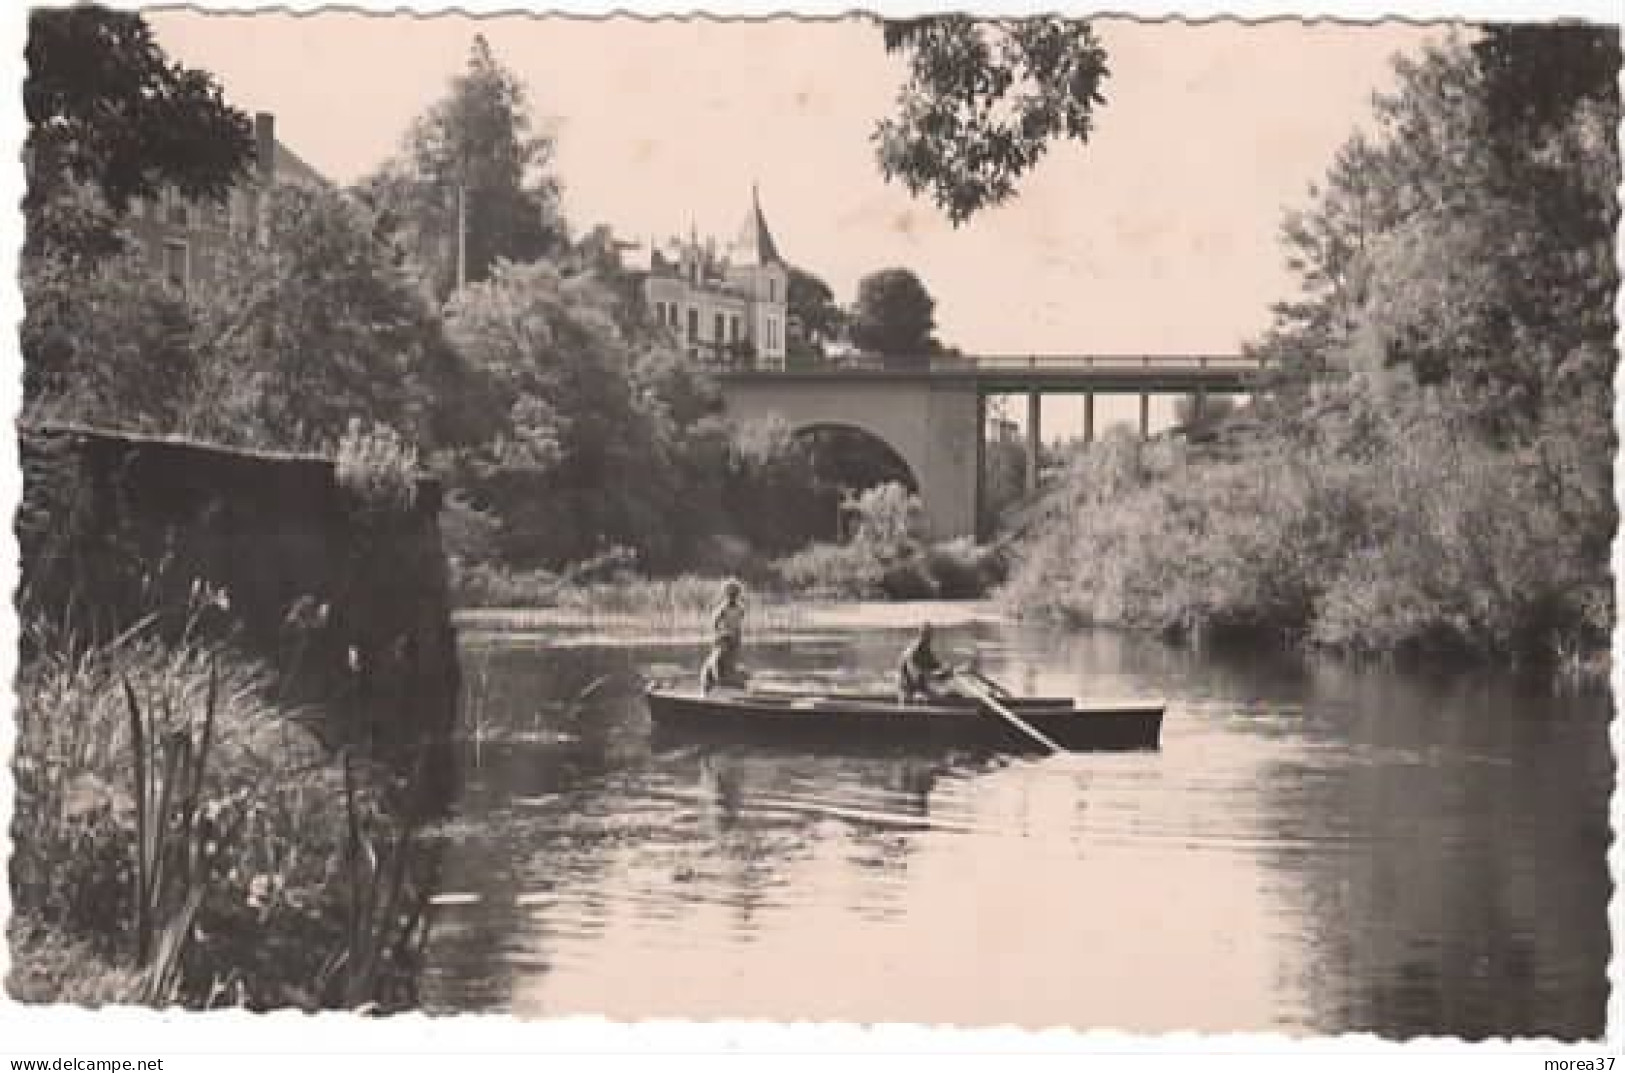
x=729 y=311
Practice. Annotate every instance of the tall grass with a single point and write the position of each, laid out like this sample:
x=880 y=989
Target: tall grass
x=183 y=839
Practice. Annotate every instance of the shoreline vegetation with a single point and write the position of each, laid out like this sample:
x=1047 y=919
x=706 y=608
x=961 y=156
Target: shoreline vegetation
x=228 y=767
x=183 y=837
x=821 y=575
x=1248 y=540
x=886 y=558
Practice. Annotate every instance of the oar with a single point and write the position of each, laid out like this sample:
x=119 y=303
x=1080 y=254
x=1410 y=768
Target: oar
x=992 y=686
x=992 y=703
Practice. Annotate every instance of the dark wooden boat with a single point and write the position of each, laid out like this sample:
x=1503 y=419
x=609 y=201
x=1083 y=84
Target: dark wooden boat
x=869 y=719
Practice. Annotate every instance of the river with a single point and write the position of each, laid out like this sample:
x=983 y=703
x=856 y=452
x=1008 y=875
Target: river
x=1316 y=848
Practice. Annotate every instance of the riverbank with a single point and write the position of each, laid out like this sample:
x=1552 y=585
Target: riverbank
x=182 y=836
x=768 y=619
x=1408 y=550
x=905 y=570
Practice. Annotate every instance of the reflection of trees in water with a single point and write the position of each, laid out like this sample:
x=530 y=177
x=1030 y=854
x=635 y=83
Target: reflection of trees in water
x=1448 y=853
x=531 y=831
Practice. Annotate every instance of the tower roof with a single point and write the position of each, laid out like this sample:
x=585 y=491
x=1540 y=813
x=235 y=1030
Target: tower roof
x=754 y=246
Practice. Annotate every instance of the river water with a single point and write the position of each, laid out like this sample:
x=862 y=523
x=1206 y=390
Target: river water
x=1315 y=849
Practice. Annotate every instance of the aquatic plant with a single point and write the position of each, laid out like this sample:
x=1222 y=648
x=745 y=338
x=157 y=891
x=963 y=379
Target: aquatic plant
x=178 y=838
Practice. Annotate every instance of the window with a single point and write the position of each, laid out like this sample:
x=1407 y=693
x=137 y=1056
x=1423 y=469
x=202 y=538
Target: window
x=733 y=329
x=693 y=324
x=772 y=289
x=718 y=325
x=175 y=258
x=177 y=215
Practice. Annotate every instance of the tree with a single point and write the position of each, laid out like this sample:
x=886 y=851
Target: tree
x=104 y=344
x=982 y=103
x=771 y=494
x=109 y=112
x=1458 y=270
x=471 y=166
x=1200 y=422
x=813 y=312
x=1463 y=246
x=318 y=326
x=579 y=457
x=894 y=315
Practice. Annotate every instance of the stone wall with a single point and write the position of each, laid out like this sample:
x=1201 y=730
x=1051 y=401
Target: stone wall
x=350 y=607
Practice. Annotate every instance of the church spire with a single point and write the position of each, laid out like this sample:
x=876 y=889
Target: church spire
x=755 y=247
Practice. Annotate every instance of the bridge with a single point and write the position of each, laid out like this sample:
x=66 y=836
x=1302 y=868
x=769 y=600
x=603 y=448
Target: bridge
x=932 y=411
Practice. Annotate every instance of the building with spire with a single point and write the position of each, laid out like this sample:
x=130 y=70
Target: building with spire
x=729 y=310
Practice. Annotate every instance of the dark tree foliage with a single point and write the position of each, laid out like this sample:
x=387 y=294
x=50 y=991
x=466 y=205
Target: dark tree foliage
x=316 y=327
x=1536 y=74
x=104 y=344
x=982 y=103
x=816 y=317
x=894 y=315
x=107 y=110
x=477 y=140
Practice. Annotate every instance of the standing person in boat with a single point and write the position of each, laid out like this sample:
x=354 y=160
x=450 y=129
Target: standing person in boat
x=727 y=639
x=919 y=670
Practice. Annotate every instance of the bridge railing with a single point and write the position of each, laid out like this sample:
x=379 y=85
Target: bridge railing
x=1071 y=362
x=1032 y=363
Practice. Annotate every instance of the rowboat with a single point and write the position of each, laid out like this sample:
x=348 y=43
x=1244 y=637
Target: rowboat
x=864 y=719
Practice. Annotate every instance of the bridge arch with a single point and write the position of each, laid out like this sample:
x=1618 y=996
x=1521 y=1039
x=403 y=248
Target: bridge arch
x=934 y=429
x=855 y=457
x=850 y=459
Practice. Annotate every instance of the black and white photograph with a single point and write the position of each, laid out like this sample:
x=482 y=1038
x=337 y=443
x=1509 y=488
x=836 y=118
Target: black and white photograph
x=988 y=521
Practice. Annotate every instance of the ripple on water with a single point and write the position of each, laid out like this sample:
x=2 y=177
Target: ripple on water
x=1334 y=852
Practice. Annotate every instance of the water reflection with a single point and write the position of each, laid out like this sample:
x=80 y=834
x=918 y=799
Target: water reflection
x=1316 y=849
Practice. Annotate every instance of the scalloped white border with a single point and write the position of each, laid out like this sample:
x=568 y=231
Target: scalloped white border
x=276 y=1042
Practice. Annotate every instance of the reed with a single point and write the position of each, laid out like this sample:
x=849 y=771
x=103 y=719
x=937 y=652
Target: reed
x=383 y=909
x=168 y=762
x=180 y=838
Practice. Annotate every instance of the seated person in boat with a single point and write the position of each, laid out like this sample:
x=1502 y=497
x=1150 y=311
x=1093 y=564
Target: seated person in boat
x=919 y=669
x=727 y=639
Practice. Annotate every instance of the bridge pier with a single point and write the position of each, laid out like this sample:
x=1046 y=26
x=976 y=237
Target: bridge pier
x=978 y=496
x=1145 y=415
x=1089 y=417
x=1034 y=441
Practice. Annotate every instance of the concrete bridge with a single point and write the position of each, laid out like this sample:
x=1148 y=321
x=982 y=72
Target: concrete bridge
x=932 y=412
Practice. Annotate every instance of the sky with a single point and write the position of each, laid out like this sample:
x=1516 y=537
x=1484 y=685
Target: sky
x=1158 y=236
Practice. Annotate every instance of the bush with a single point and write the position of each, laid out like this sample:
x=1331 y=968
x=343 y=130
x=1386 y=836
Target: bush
x=955 y=570
x=961 y=570
x=490 y=585
x=1399 y=532
x=377 y=468
x=468 y=534
x=887 y=516
x=834 y=571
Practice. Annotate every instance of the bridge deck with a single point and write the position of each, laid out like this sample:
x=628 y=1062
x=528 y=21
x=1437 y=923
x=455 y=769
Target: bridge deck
x=1103 y=373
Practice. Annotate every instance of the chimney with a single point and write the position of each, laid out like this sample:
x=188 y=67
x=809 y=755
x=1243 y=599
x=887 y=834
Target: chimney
x=265 y=146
